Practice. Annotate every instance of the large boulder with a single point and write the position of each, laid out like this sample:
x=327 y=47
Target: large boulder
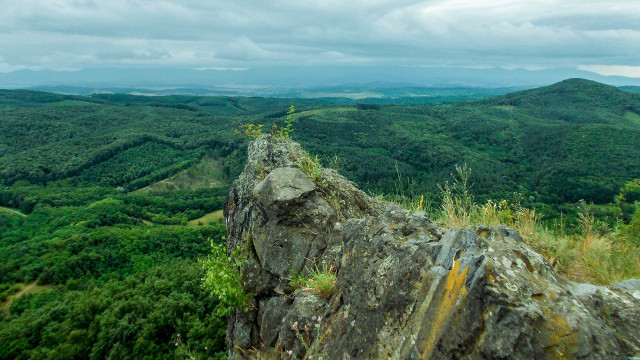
x=403 y=289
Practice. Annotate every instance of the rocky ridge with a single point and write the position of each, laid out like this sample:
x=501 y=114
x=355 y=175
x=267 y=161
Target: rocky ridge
x=403 y=290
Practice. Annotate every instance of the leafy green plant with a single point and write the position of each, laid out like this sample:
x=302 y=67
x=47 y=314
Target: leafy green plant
x=223 y=278
x=288 y=123
x=7 y=290
x=627 y=198
x=632 y=231
x=252 y=131
x=285 y=131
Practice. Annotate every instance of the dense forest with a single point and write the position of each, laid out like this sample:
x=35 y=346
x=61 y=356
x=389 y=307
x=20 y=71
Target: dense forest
x=109 y=201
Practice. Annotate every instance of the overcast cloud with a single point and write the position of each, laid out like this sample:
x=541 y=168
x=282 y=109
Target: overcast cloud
x=602 y=36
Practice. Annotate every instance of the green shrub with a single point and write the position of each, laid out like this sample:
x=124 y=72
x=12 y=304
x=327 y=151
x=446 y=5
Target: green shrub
x=224 y=280
x=632 y=231
x=251 y=131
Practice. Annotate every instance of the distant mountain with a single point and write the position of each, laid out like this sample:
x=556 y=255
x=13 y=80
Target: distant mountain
x=633 y=89
x=275 y=80
x=574 y=100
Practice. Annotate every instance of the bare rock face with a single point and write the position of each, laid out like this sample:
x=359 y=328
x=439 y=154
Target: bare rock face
x=404 y=290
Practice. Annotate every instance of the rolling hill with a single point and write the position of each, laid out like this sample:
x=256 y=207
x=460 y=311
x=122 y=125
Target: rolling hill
x=573 y=140
x=105 y=185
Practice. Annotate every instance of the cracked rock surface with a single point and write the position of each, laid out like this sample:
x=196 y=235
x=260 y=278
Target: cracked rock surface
x=404 y=290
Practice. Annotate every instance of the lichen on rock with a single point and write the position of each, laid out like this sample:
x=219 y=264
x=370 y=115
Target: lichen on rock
x=404 y=290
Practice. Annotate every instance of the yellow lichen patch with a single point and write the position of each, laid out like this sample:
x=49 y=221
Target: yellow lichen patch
x=524 y=260
x=561 y=341
x=454 y=292
x=484 y=233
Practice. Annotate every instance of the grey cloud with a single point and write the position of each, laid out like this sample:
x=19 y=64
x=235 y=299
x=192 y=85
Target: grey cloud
x=131 y=54
x=242 y=48
x=193 y=33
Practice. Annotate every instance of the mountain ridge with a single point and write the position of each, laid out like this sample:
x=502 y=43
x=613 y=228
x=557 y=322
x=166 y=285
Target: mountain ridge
x=254 y=81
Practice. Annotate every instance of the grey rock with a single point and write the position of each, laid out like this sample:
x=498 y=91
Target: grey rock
x=283 y=190
x=303 y=314
x=404 y=289
x=272 y=320
x=630 y=284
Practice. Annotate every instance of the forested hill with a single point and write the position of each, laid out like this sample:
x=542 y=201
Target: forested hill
x=46 y=137
x=598 y=103
x=118 y=196
x=573 y=140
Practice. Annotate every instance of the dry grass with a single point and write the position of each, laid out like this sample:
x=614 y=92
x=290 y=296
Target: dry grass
x=590 y=255
x=594 y=253
x=457 y=200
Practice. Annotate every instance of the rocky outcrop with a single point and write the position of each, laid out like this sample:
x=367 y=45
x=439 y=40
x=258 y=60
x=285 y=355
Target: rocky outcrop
x=403 y=289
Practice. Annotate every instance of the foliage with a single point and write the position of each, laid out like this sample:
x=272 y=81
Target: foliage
x=288 y=123
x=118 y=282
x=627 y=198
x=136 y=317
x=252 y=131
x=553 y=144
x=285 y=131
x=224 y=280
x=7 y=289
x=632 y=230
x=122 y=266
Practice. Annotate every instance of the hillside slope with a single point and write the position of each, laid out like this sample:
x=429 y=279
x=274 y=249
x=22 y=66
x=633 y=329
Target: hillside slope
x=569 y=141
x=573 y=140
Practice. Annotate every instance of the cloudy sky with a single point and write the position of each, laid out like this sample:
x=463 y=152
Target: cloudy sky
x=601 y=36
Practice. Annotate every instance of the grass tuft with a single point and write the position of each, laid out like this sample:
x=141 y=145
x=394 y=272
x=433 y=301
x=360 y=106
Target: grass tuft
x=593 y=253
x=322 y=282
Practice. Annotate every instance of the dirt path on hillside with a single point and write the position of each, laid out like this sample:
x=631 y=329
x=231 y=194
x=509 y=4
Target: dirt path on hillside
x=16 y=212
x=27 y=289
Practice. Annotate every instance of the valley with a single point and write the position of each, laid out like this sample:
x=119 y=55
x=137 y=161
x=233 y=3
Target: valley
x=109 y=201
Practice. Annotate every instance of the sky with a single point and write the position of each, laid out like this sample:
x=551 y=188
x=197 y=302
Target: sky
x=592 y=35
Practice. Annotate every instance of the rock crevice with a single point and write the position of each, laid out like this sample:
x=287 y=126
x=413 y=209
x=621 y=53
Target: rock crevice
x=404 y=290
